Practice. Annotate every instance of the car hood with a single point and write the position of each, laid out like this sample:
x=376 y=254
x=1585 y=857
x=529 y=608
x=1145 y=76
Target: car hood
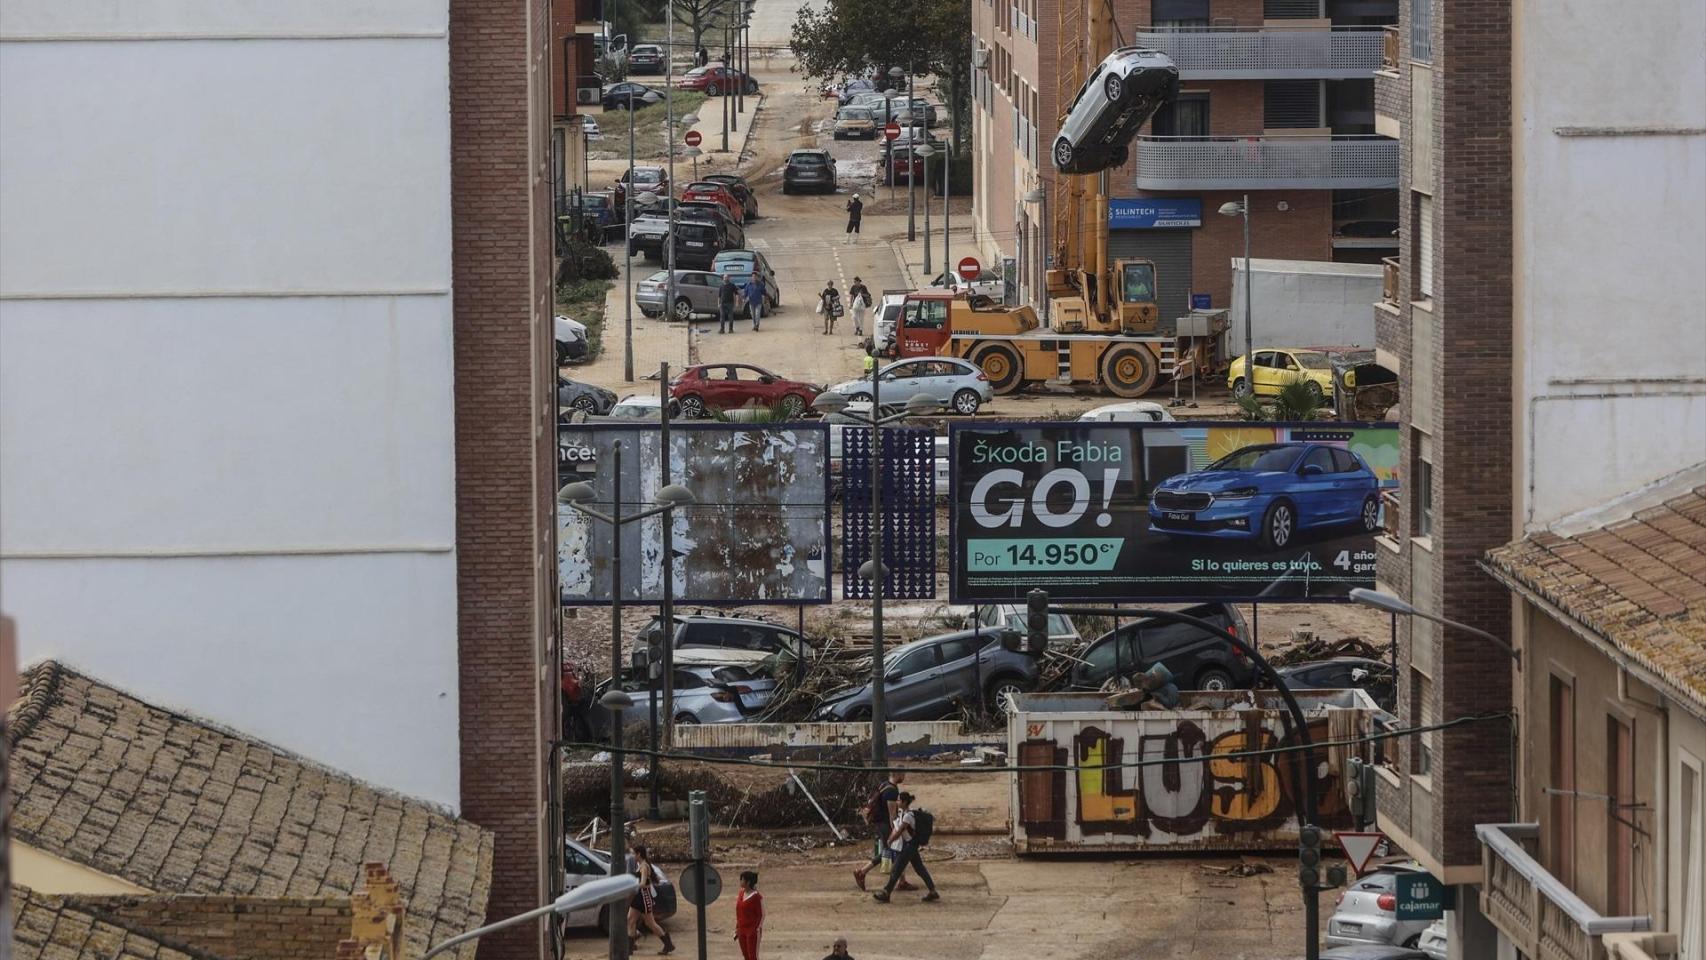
x=719 y=657
x=1213 y=481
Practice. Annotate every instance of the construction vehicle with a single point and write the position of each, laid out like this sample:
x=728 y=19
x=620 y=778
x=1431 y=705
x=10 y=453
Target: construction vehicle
x=1102 y=323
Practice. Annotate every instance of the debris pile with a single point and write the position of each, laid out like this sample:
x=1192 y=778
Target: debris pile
x=1304 y=647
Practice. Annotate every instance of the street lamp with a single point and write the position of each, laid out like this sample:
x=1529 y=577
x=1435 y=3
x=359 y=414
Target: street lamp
x=926 y=151
x=1236 y=208
x=580 y=496
x=596 y=893
x=1040 y=196
x=874 y=569
x=1392 y=604
x=888 y=118
x=911 y=181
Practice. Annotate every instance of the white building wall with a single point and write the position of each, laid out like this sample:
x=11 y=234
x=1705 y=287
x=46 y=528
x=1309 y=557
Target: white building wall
x=1610 y=235
x=226 y=441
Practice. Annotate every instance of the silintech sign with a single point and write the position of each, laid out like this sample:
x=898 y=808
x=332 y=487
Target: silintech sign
x=759 y=532
x=1151 y=212
x=1178 y=511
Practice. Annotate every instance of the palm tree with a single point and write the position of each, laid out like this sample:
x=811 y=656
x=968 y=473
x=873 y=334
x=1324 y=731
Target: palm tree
x=1297 y=400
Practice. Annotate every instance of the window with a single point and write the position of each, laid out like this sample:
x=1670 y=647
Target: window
x=956 y=649
x=1619 y=812
x=1560 y=852
x=1184 y=116
x=1320 y=458
x=1424 y=243
x=1165 y=14
x=1422 y=508
x=1138 y=283
x=1421 y=752
x=1421 y=30
x=927 y=314
x=579 y=863
x=1291 y=103
x=1345 y=461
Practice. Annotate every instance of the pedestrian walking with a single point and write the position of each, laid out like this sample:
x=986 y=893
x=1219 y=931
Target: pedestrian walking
x=642 y=907
x=884 y=804
x=855 y=210
x=754 y=291
x=726 y=306
x=905 y=838
x=870 y=368
x=749 y=915
x=860 y=295
x=829 y=307
x=838 y=950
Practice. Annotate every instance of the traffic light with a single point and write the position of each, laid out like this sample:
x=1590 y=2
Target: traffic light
x=1309 y=856
x=698 y=825
x=1036 y=620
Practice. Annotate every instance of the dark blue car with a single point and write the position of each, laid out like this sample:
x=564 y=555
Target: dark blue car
x=1269 y=492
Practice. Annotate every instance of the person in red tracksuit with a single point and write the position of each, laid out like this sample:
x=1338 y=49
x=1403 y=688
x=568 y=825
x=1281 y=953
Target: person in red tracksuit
x=749 y=915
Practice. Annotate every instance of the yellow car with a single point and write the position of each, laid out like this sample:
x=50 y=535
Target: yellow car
x=1278 y=366
x=851 y=122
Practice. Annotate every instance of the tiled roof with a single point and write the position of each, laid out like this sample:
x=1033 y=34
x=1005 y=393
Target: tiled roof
x=1638 y=582
x=47 y=928
x=177 y=805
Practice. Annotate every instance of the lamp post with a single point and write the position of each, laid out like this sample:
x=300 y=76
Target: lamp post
x=1040 y=196
x=874 y=569
x=947 y=191
x=1236 y=208
x=580 y=496
x=613 y=889
x=926 y=151
x=911 y=181
x=1392 y=604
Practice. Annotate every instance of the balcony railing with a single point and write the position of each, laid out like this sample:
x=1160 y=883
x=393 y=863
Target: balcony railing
x=1389 y=280
x=1261 y=53
x=1542 y=917
x=1390 y=49
x=1267 y=163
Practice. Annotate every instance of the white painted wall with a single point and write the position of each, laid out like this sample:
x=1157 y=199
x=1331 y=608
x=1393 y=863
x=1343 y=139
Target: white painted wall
x=1610 y=236
x=226 y=442
x=1304 y=303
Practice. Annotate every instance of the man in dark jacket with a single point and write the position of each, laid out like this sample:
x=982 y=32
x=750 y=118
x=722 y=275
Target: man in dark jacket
x=855 y=210
x=838 y=951
x=726 y=306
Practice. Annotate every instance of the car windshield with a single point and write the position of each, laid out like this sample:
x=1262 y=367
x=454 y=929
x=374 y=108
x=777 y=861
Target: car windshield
x=704 y=185
x=698 y=71
x=594 y=203
x=855 y=113
x=1260 y=459
x=808 y=159
x=643 y=176
x=1311 y=360
x=1138 y=283
x=635 y=409
x=658 y=277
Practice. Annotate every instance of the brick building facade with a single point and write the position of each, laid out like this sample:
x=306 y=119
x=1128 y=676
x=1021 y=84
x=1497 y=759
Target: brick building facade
x=500 y=53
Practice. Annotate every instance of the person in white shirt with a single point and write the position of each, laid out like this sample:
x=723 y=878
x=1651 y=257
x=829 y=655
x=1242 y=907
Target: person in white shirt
x=905 y=852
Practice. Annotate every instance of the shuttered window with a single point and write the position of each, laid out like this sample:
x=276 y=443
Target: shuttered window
x=1175 y=12
x=1291 y=103
x=1421 y=30
x=1424 y=246
x=1289 y=9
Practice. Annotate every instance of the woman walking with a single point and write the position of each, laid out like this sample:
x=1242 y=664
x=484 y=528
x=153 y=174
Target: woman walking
x=641 y=909
x=861 y=297
x=749 y=915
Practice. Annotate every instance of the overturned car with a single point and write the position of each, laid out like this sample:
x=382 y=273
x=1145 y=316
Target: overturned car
x=1121 y=94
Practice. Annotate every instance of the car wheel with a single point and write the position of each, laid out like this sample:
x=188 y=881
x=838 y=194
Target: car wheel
x=1002 y=692
x=1371 y=515
x=1315 y=391
x=586 y=405
x=793 y=405
x=1113 y=88
x=1128 y=371
x=1240 y=387
x=859 y=715
x=752 y=86
x=1000 y=364
x=1279 y=525
x=966 y=402
x=859 y=398
x=711 y=90
x=604 y=920
x=1214 y=679
x=1063 y=154
x=683 y=309
x=692 y=407
x=686 y=719
x=652 y=314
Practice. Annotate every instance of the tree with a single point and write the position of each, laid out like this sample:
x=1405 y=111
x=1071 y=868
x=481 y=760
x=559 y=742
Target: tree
x=700 y=17
x=854 y=37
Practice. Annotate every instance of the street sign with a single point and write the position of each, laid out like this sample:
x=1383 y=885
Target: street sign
x=689 y=886
x=1202 y=301
x=693 y=139
x=1359 y=847
x=970 y=269
x=1420 y=897
x=892 y=131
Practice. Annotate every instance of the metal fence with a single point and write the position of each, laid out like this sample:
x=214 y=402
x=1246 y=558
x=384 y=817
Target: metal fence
x=1245 y=53
x=1267 y=163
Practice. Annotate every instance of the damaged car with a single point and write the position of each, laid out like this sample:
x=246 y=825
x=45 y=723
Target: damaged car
x=1120 y=96
x=1363 y=389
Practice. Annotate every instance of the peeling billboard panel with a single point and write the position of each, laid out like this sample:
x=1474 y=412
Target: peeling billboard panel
x=759 y=532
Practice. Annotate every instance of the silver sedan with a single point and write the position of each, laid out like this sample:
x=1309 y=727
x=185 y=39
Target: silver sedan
x=695 y=293
x=951 y=383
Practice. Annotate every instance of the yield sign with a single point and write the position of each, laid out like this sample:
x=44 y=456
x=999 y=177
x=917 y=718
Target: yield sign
x=1359 y=847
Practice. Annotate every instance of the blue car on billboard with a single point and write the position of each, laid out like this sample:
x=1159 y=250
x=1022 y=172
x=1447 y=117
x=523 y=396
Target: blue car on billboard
x=1269 y=492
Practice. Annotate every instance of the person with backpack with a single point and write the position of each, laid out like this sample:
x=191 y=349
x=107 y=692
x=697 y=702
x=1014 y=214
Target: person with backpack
x=829 y=307
x=909 y=832
x=880 y=811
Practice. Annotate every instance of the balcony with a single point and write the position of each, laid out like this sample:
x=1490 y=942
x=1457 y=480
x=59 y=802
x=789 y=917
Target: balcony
x=1389 y=280
x=1539 y=915
x=1390 y=49
x=1269 y=53
x=1308 y=162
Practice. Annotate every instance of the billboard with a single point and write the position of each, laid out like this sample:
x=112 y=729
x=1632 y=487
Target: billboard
x=759 y=532
x=1186 y=511
x=908 y=512
x=1145 y=213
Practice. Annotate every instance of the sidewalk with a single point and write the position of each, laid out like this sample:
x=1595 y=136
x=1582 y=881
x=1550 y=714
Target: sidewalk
x=910 y=254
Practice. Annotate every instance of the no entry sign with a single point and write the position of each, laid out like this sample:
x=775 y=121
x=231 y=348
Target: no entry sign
x=891 y=131
x=970 y=269
x=693 y=139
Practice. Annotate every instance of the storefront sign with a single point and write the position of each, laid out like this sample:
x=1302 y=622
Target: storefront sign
x=1150 y=212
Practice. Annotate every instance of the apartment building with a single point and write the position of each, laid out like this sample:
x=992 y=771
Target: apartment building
x=1276 y=101
x=1527 y=402
x=575 y=88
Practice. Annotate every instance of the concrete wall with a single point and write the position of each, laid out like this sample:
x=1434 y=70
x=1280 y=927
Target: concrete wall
x=1607 y=169
x=225 y=296
x=1298 y=303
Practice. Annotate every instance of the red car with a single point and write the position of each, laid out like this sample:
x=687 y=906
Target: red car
x=730 y=386
x=716 y=193
x=714 y=79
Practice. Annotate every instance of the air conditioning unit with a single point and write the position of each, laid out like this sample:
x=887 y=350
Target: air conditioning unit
x=587 y=95
x=980 y=58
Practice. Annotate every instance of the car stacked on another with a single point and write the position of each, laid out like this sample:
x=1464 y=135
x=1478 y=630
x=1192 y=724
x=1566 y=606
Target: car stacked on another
x=703 y=694
x=647 y=58
x=1198 y=660
x=812 y=169
x=718 y=193
x=705 y=387
x=950 y=383
x=741 y=189
x=1342 y=673
x=1121 y=94
x=1269 y=493
x=928 y=679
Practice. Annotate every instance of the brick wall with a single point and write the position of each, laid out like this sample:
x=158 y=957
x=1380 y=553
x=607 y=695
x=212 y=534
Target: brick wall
x=505 y=464
x=563 y=65
x=239 y=928
x=1303 y=231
